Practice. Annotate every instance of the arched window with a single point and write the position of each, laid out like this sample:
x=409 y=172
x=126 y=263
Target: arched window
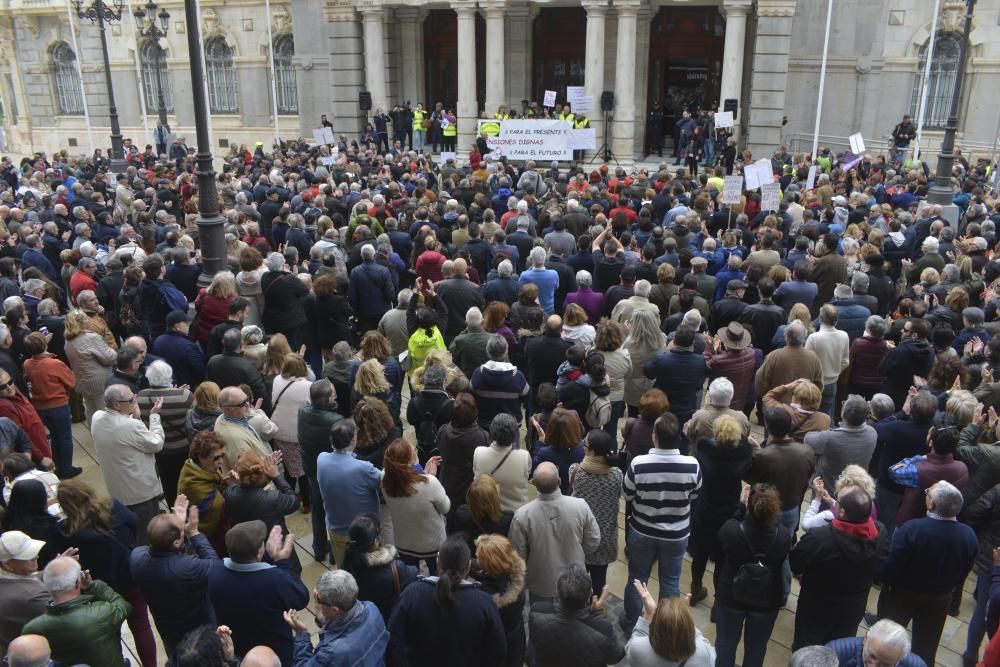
x=155 y=77
x=284 y=75
x=67 y=80
x=222 y=90
x=940 y=83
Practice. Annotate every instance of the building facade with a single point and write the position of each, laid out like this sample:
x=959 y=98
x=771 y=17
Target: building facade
x=474 y=55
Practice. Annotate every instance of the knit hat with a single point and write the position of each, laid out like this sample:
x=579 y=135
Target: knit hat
x=692 y=318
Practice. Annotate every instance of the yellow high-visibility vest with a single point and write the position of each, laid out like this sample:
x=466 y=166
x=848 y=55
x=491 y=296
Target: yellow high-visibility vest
x=501 y=116
x=451 y=130
x=567 y=116
x=580 y=124
x=418 y=120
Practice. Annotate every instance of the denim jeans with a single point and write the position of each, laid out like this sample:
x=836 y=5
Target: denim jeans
x=321 y=543
x=754 y=626
x=829 y=403
x=642 y=551
x=419 y=140
x=611 y=428
x=60 y=426
x=977 y=624
x=790 y=520
x=710 y=152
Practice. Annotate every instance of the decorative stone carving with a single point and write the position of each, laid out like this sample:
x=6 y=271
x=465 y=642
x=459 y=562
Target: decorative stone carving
x=30 y=22
x=210 y=23
x=281 y=20
x=776 y=8
x=952 y=16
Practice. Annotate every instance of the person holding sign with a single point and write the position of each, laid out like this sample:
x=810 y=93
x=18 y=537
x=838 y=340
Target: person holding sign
x=381 y=121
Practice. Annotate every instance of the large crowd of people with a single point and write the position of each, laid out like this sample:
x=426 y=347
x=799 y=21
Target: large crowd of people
x=556 y=341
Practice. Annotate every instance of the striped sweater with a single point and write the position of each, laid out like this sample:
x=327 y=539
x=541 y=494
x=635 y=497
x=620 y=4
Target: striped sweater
x=661 y=485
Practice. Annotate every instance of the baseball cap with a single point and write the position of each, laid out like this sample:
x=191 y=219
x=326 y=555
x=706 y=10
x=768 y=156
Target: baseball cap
x=244 y=539
x=175 y=317
x=15 y=545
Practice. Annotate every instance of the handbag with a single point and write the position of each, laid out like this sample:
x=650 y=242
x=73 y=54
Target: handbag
x=425 y=124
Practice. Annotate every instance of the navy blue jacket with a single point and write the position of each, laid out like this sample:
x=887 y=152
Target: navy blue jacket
x=850 y=649
x=500 y=289
x=174 y=585
x=251 y=600
x=680 y=374
x=183 y=355
x=851 y=318
x=370 y=289
x=35 y=258
x=375 y=579
x=929 y=555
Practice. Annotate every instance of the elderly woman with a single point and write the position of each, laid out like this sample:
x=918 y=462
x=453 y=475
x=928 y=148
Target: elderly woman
x=526 y=307
x=176 y=403
x=592 y=302
x=866 y=354
x=254 y=348
x=575 y=327
x=201 y=480
x=610 y=340
x=91 y=360
x=510 y=467
x=284 y=297
x=801 y=400
x=248 y=284
x=212 y=304
x=290 y=390
x=261 y=492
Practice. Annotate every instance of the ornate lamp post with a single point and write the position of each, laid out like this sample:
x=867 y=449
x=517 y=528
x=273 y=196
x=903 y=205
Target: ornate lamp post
x=146 y=26
x=102 y=14
x=210 y=223
x=941 y=191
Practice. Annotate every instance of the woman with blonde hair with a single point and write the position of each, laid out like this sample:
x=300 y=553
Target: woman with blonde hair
x=376 y=429
x=799 y=312
x=91 y=360
x=665 y=635
x=575 y=328
x=370 y=382
x=212 y=304
x=417 y=503
x=202 y=415
x=375 y=345
x=103 y=530
x=724 y=459
x=644 y=341
x=500 y=572
x=289 y=392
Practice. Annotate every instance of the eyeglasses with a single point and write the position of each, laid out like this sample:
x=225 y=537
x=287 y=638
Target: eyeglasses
x=243 y=404
x=6 y=384
x=127 y=400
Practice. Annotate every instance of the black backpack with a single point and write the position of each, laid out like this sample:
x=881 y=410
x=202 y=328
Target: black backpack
x=427 y=432
x=752 y=583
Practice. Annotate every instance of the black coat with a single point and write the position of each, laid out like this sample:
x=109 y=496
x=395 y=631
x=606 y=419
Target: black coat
x=284 y=295
x=327 y=319
x=456 y=446
x=580 y=638
x=722 y=468
x=376 y=582
x=508 y=594
x=458 y=294
x=542 y=357
x=774 y=542
x=251 y=503
x=763 y=319
x=231 y=369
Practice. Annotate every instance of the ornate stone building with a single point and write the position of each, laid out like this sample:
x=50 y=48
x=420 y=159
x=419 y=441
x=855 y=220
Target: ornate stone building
x=478 y=54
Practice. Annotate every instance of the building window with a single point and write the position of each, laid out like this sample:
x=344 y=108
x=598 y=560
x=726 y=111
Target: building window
x=284 y=76
x=155 y=77
x=222 y=90
x=940 y=83
x=67 y=80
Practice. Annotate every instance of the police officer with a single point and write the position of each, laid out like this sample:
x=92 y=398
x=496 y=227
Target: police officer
x=654 y=131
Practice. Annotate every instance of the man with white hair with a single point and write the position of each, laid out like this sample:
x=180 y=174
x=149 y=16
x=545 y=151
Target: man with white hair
x=370 y=290
x=930 y=259
x=929 y=559
x=716 y=404
x=546 y=280
x=468 y=350
x=639 y=300
x=504 y=287
x=83 y=278
x=522 y=239
x=459 y=294
x=83 y=622
x=126 y=450
x=886 y=643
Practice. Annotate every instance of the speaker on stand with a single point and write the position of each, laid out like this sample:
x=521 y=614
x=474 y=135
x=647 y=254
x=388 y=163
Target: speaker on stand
x=607 y=107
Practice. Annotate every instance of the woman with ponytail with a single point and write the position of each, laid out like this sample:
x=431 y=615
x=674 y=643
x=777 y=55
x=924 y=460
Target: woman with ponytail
x=377 y=568
x=447 y=619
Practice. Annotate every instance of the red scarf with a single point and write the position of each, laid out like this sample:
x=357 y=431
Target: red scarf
x=866 y=530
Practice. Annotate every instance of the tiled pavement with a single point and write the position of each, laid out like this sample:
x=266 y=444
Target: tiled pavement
x=779 y=648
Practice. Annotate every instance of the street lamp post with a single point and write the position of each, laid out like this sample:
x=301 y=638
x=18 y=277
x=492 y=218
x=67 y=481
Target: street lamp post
x=102 y=14
x=941 y=192
x=210 y=223
x=145 y=21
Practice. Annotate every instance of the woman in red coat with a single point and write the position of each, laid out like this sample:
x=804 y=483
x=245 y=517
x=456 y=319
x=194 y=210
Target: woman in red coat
x=429 y=262
x=212 y=304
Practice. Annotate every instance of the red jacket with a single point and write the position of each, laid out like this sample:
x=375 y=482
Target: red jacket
x=19 y=410
x=80 y=281
x=211 y=311
x=50 y=380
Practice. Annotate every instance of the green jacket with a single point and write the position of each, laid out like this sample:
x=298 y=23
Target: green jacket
x=86 y=630
x=468 y=350
x=314 y=434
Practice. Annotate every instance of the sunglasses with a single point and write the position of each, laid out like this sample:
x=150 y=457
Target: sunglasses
x=245 y=402
x=6 y=384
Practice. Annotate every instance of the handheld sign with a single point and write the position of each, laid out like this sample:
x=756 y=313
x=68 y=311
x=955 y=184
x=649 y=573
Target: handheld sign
x=811 y=178
x=723 y=118
x=732 y=190
x=550 y=98
x=857 y=144
x=770 y=196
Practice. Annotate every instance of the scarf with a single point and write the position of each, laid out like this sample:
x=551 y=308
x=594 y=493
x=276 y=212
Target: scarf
x=595 y=465
x=866 y=530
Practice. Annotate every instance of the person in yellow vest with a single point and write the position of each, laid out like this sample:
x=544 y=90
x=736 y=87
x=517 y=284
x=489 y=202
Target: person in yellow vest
x=824 y=161
x=420 y=125
x=579 y=123
x=566 y=114
x=450 y=131
x=503 y=113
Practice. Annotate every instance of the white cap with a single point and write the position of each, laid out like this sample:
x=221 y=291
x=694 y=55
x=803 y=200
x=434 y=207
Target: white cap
x=15 y=545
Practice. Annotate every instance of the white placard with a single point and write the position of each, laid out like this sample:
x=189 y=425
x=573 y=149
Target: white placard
x=857 y=144
x=323 y=135
x=528 y=139
x=579 y=100
x=811 y=178
x=550 y=98
x=328 y=160
x=444 y=123
x=583 y=139
x=770 y=196
x=732 y=190
x=446 y=155
x=723 y=118
x=758 y=173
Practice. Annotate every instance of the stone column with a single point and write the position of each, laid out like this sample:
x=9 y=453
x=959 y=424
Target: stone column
x=770 y=75
x=468 y=107
x=735 y=12
x=623 y=121
x=375 y=54
x=496 y=62
x=593 y=74
x=411 y=26
x=519 y=19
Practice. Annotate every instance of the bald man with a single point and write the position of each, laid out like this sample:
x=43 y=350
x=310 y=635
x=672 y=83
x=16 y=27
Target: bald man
x=543 y=355
x=28 y=650
x=261 y=656
x=459 y=294
x=553 y=531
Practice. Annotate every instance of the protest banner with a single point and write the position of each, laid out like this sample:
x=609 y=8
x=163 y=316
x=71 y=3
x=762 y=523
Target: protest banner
x=529 y=139
x=770 y=196
x=550 y=98
x=583 y=139
x=857 y=143
x=579 y=100
x=723 y=118
x=446 y=155
x=811 y=178
x=319 y=136
x=732 y=190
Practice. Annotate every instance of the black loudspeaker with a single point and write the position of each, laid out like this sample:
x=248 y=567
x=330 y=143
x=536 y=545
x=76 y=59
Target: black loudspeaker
x=365 y=100
x=730 y=104
x=607 y=101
